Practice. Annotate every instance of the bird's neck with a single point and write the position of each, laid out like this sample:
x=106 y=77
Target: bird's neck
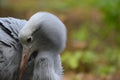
x=47 y=67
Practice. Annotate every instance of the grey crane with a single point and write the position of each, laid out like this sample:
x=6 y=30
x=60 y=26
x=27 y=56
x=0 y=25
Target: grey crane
x=32 y=47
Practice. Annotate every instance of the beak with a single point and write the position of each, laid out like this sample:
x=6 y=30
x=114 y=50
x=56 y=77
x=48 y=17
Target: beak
x=25 y=57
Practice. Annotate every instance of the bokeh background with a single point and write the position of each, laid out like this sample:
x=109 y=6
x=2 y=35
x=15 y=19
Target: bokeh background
x=93 y=29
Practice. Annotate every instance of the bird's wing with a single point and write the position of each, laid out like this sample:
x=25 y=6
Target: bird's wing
x=10 y=47
x=9 y=61
x=9 y=29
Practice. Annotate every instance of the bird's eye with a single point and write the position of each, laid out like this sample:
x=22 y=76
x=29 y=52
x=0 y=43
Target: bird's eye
x=29 y=39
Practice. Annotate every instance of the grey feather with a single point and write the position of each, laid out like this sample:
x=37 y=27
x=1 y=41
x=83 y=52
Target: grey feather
x=49 y=39
x=9 y=29
x=49 y=35
x=10 y=47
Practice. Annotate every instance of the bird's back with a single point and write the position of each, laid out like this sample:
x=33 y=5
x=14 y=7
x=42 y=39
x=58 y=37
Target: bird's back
x=10 y=47
x=9 y=29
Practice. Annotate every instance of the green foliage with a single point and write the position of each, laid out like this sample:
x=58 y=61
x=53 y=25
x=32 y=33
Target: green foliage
x=104 y=64
x=112 y=57
x=102 y=38
x=111 y=11
x=80 y=34
x=108 y=62
x=104 y=70
x=88 y=57
x=72 y=60
x=94 y=43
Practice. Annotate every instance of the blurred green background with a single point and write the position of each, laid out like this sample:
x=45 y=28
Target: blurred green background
x=93 y=29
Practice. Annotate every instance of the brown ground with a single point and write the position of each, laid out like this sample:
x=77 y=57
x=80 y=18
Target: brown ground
x=83 y=76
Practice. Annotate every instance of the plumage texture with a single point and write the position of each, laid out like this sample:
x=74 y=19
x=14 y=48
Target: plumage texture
x=49 y=39
x=49 y=35
x=10 y=47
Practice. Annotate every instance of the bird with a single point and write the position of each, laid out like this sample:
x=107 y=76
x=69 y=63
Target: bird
x=36 y=47
x=10 y=47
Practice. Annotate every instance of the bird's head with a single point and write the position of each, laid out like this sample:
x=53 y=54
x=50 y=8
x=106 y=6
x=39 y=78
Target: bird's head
x=43 y=31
